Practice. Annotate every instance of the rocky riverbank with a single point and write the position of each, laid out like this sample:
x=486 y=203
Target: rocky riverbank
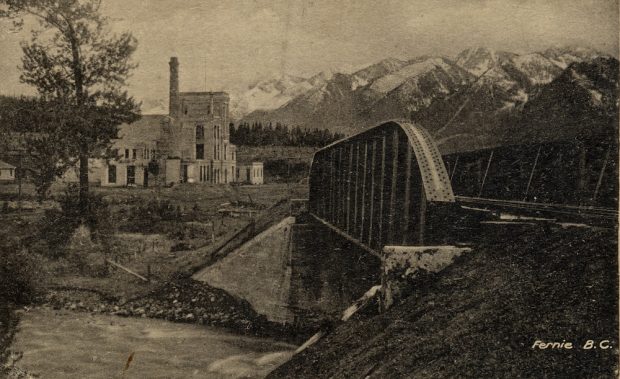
x=181 y=300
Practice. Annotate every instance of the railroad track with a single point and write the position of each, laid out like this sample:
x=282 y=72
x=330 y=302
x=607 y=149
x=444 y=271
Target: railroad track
x=560 y=211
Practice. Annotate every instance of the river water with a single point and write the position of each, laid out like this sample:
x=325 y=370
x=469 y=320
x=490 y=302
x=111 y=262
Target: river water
x=65 y=344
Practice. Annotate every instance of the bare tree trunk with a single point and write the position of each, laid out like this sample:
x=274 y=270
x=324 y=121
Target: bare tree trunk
x=79 y=94
x=83 y=193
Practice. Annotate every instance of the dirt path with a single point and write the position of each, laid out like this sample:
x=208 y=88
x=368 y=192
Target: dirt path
x=65 y=344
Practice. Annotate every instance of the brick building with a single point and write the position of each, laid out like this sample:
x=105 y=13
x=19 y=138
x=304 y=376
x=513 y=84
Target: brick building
x=190 y=144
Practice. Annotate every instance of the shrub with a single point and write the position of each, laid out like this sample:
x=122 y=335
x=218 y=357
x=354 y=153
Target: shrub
x=17 y=272
x=58 y=225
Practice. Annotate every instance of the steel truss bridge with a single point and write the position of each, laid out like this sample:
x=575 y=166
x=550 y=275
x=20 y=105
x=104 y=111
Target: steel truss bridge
x=389 y=185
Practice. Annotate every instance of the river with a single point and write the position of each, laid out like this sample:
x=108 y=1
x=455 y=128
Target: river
x=66 y=344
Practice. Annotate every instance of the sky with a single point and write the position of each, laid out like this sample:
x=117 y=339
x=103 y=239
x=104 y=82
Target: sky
x=229 y=45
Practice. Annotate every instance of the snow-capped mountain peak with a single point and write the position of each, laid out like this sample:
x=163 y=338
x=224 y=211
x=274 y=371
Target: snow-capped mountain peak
x=274 y=93
x=481 y=59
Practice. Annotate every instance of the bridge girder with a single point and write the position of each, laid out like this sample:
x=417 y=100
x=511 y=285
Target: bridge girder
x=375 y=186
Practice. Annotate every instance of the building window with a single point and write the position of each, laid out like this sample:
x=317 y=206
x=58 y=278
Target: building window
x=200 y=151
x=133 y=153
x=111 y=174
x=200 y=132
x=126 y=153
x=131 y=174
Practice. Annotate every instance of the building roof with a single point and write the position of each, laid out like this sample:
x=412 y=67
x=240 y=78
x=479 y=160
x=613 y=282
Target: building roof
x=4 y=165
x=147 y=128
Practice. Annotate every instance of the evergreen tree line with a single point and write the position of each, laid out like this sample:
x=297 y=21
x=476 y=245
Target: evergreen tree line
x=280 y=135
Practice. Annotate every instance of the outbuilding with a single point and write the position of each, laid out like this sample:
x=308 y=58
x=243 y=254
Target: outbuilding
x=250 y=173
x=7 y=172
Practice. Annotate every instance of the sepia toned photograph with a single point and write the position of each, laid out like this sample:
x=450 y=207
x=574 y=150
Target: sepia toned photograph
x=309 y=189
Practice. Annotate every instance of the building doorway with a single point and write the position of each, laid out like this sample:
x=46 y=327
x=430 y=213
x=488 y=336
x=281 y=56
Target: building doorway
x=131 y=175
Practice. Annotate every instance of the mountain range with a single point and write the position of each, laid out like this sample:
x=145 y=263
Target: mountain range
x=467 y=95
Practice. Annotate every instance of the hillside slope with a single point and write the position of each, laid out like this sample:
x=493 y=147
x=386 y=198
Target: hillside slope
x=581 y=101
x=481 y=316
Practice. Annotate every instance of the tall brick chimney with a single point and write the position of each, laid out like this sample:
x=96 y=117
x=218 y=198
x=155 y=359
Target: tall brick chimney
x=174 y=88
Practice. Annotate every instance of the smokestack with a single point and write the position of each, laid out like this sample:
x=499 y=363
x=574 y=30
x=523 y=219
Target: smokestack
x=173 y=108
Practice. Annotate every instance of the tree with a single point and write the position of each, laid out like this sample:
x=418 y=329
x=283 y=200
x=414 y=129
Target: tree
x=74 y=61
x=38 y=127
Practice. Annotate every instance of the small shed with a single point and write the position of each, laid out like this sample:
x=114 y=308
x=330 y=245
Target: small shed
x=251 y=173
x=7 y=172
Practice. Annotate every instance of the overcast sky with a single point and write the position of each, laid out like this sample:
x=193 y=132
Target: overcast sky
x=239 y=42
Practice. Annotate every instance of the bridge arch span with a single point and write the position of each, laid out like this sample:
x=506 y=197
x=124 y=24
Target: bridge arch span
x=377 y=187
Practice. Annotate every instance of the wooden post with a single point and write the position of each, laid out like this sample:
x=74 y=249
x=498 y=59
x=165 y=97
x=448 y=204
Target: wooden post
x=529 y=181
x=484 y=178
x=127 y=270
x=19 y=183
x=332 y=187
x=337 y=187
x=600 y=175
x=456 y=162
x=581 y=185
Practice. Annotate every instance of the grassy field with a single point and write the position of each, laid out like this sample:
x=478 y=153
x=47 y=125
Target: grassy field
x=146 y=247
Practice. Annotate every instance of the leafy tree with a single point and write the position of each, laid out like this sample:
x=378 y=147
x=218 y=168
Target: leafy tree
x=37 y=128
x=74 y=61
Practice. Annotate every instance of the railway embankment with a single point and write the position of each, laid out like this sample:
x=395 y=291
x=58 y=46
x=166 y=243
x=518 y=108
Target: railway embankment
x=484 y=314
